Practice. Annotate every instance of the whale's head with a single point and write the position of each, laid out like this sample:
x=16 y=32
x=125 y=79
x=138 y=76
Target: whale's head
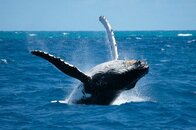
x=134 y=70
x=119 y=74
x=138 y=66
x=128 y=72
x=113 y=77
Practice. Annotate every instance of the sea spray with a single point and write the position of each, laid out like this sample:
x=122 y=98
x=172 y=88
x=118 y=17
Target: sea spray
x=137 y=94
x=35 y=43
x=82 y=56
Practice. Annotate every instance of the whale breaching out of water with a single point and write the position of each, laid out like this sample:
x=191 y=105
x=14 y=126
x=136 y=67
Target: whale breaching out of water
x=103 y=83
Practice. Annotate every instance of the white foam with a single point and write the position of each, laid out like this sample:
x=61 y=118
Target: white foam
x=4 y=61
x=32 y=35
x=55 y=101
x=130 y=96
x=65 y=33
x=162 y=49
x=184 y=34
x=191 y=41
x=168 y=46
x=138 y=38
x=59 y=101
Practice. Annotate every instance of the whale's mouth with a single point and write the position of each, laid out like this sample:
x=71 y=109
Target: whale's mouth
x=144 y=65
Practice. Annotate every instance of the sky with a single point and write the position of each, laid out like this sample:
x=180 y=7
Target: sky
x=82 y=15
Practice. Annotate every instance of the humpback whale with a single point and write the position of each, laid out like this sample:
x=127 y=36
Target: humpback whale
x=102 y=84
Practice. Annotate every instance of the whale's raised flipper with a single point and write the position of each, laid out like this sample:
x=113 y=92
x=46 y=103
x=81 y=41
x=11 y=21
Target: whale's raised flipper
x=111 y=37
x=63 y=66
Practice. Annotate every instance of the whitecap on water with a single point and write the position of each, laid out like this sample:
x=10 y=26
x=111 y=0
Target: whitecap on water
x=3 y=61
x=162 y=49
x=32 y=35
x=191 y=41
x=168 y=46
x=60 y=101
x=65 y=33
x=138 y=38
x=184 y=34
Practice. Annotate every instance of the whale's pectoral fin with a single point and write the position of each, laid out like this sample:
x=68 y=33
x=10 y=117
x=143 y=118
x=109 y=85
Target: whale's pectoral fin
x=63 y=66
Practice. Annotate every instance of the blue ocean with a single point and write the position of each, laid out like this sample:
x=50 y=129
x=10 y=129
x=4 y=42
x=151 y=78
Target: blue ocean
x=33 y=91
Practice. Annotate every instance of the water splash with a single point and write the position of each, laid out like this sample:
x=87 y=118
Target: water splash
x=126 y=98
x=133 y=95
x=82 y=56
x=76 y=94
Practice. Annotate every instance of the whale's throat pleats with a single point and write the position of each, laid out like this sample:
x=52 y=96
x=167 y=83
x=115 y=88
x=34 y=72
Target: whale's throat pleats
x=63 y=66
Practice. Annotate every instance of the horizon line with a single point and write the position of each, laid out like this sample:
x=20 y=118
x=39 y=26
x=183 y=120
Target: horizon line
x=96 y=30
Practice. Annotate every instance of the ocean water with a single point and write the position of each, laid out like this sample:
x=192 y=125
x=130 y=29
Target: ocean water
x=30 y=87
